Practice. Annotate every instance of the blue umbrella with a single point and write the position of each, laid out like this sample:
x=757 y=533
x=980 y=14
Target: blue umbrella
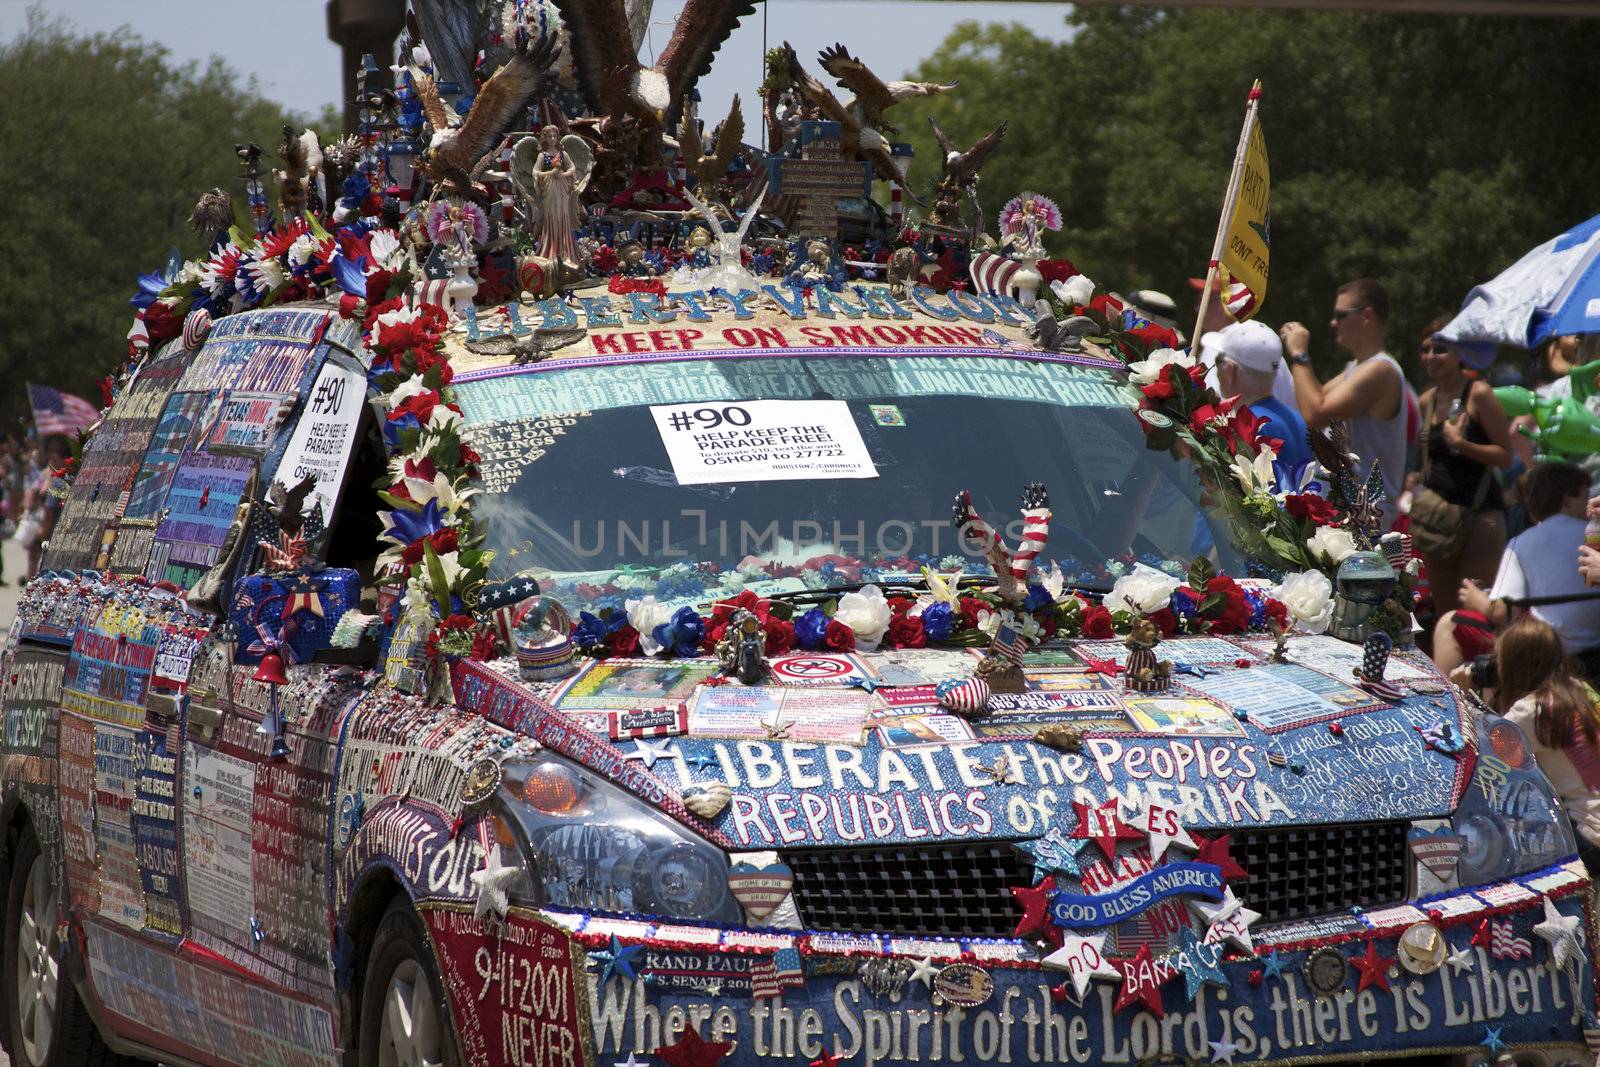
x=1552 y=291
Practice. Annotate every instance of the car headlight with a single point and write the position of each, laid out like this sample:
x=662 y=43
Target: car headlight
x=594 y=847
x=1509 y=820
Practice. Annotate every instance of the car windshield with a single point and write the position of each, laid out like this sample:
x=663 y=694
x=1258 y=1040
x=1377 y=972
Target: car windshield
x=586 y=481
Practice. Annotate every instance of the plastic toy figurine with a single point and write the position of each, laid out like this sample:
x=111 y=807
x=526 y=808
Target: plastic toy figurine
x=742 y=650
x=1144 y=673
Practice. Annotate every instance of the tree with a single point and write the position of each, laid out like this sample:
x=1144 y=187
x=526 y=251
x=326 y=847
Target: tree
x=1426 y=152
x=108 y=144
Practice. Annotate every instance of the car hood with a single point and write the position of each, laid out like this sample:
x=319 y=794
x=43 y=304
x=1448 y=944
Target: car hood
x=843 y=758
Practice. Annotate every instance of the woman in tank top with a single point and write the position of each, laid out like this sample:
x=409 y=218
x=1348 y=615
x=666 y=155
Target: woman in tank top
x=1466 y=437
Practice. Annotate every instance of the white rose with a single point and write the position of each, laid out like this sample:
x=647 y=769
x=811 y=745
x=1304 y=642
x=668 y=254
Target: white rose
x=1309 y=597
x=645 y=615
x=867 y=614
x=1333 y=542
x=1075 y=291
x=1142 y=590
x=1147 y=370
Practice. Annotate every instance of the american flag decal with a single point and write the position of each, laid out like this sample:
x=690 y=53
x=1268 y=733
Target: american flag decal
x=1504 y=944
x=771 y=975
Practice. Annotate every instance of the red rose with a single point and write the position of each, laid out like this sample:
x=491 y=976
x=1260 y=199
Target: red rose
x=468 y=455
x=1096 y=621
x=780 y=636
x=899 y=605
x=714 y=632
x=839 y=637
x=970 y=606
x=1165 y=621
x=722 y=611
x=1155 y=336
x=1055 y=270
x=1232 y=616
x=905 y=631
x=161 y=323
x=1048 y=624
x=484 y=646
x=420 y=404
x=442 y=541
x=623 y=641
x=1106 y=304
x=1311 y=506
x=1277 y=611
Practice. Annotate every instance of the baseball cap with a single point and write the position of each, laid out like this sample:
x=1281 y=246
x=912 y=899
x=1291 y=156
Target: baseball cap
x=1249 y=344
x=1476 y=355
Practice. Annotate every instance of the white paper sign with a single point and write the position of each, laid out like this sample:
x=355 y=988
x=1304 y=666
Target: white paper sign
x=324 y=435
x=762 y=440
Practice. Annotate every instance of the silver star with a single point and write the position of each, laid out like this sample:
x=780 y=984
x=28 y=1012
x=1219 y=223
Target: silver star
x=924 y=971
x=491 y=883
x=1460 y=960
x=647 y=752
x=1561 y=931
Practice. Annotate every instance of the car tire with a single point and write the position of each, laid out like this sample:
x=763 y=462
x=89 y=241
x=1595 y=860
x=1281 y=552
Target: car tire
x=405 y=1018
x=46 y=1023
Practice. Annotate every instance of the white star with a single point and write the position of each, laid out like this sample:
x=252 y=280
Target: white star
x=1221 y=1051
x=924 y=971
x=1082 y=958
x=632 y=1061
x=1561 y=931
x=1227 y=920
x=1460 y=960
x=648 y=752
x=1163 y=824
x=491 y=882
x=713 y=989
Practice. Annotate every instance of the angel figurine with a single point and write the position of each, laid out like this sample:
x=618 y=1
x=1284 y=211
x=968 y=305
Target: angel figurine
x=550 y=173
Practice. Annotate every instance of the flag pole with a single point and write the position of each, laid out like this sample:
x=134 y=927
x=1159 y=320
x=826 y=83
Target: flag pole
x=1229 y=202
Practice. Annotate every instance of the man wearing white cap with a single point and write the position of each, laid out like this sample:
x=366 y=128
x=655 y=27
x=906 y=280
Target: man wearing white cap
x=1249 y=361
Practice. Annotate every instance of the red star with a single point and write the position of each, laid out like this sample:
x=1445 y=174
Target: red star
x=828 y=1059
x=1101 y=666
x=1035 y=907
x=1214 y=850
x=692 y=1050
x=1374 y=968
x=1103 y=825
x=494 y=281
x=1481 y=936
x=1142 y=978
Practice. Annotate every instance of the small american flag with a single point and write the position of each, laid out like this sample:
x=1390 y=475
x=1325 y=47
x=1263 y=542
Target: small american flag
x=1504 y=944
x=58 y=412
x=1009 y=642
x=771 y=975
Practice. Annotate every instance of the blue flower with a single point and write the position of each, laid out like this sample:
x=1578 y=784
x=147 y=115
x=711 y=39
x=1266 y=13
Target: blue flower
x=937 y=621
x=1183 y=605
x=810 y=628
x=408 y=525
x=682 y=633
x=589 y=633
x=1258 y=608
x=393 y=428
x=1038 y=597
x=609 y=602
x=351 y=274
x=355 y=189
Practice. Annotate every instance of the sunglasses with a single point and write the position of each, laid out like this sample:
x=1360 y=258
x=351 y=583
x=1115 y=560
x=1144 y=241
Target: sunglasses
x=1340 y=314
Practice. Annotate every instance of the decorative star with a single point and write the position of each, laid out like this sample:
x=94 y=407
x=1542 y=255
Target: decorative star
x=1460 y=960
x=1163 y=825
x=1103 y=824
x=618 y=959
x=692 y=1050
x=1035 y=901
x=1197 y=961
x=491 y=883
x=1492 y=1039
x=700 y=760
x=1214 y=850
x=1101 y=666
x=1142 y=978
x=647 y=751
x=924 y=971
x=1272 y=964
x=859 y=681
x=1084 y=960
x=1228 y=920
x=1055 y=851
x=1374 y=968
x=632 y=1061
x=712 y=989
x=828 y=1059
x=1199 y=670
x=1561 y=932
x=1002 y=771
x=1221 y=1052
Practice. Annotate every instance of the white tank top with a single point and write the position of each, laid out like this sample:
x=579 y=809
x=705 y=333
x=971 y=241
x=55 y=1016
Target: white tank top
x=1383 y=440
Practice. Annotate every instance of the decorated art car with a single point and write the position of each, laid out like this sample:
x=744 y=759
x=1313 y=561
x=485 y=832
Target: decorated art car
x=781 y=661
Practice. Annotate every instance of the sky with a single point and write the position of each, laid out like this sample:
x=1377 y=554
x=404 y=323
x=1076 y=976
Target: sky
x=284 y=43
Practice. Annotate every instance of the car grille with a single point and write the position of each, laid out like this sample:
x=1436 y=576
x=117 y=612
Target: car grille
x=965 y=890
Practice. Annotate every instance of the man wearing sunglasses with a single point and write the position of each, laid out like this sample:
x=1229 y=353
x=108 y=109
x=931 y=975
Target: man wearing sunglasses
x=1369 y=394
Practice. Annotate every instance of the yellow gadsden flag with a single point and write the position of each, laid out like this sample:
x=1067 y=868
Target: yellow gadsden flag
x=1247 y=250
